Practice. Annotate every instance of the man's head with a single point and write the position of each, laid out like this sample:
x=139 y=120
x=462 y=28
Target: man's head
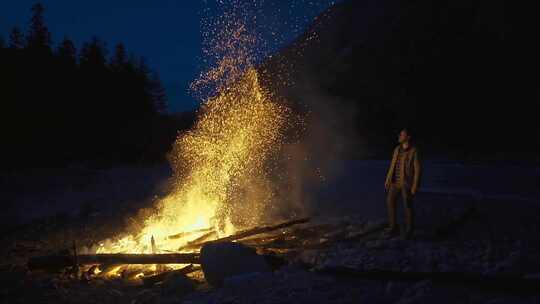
x=404 y=136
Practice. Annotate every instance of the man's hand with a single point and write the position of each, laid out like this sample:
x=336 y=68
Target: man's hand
x=386 y=185
x=413 y=191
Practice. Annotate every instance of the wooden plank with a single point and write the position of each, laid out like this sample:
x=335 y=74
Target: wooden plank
x=195 y=244
x=188 y=233
x=151 y=280
x=62 y=261
x=253 y=231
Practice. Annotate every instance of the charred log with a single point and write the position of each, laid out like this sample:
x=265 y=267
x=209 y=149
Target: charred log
x=160 y=277
x=196 y=243
x=188 y=233
x=53 y=262
x=252 y=232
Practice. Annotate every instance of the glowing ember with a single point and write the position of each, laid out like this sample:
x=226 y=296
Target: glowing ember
x=220 y=165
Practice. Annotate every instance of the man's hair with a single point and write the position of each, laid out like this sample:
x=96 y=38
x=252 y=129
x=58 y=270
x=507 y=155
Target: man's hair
x=408 y=130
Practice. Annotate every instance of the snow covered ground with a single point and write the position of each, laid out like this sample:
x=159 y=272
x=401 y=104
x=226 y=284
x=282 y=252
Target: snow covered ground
x=36 y=193
x=503 y=238
x=358 y=186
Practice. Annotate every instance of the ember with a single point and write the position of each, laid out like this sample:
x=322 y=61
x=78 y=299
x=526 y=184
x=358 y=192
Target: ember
x=226 y=152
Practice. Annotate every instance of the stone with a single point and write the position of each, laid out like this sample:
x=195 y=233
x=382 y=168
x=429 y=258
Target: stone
x=310 y=257
x=227 y=259
x=177 y=284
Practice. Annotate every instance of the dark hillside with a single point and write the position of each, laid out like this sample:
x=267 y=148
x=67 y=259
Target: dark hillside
x=462 y=73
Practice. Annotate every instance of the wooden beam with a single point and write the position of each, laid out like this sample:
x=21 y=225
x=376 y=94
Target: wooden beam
x=151 y=280
x=195 y=244
x=184 y=234
x=61 y=261
x=252 y=232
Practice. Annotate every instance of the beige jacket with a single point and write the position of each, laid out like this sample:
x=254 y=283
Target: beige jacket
x=411 y=169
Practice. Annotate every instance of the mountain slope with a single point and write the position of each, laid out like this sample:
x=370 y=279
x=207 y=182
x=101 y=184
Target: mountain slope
x=461 y=73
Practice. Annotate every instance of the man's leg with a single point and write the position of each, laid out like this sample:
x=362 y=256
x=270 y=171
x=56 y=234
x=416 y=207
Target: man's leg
x=409 y=212
x=391 y=199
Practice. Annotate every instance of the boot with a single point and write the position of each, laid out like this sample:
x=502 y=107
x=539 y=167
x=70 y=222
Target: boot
x=391 y=232
x=409 y=234
x=409 y=220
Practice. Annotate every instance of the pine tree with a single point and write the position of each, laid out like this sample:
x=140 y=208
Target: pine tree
x=93 y=53
x=16 y=39
x=157 y=91
x=120 y=59
x=142 y=72
x=133 y=62
x=38 y=35
x=67 y=51
x=142 y=68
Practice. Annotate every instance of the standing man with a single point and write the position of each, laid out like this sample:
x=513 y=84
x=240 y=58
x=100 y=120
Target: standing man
x=403 y=180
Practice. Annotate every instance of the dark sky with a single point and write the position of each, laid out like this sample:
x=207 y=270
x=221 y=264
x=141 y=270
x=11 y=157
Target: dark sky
x=166 y=32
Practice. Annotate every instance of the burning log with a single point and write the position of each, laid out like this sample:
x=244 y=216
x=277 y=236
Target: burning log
x=298 y=233
x=259 y=230
x=184 y=234
x=265 y=241
x=198 y=241
x=160 y=277
x=253 y=231
x=53 y=262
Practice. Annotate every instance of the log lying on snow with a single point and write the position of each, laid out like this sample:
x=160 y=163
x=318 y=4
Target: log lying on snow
x=62 y=261
x=303 y=233
x=372 y=233
x=306 y=238
x=259 y=230
x=251 y=232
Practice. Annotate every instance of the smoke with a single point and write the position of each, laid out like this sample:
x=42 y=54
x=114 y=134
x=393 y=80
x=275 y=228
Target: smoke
x=323 y=136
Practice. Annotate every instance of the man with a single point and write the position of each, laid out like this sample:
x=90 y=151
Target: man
x=403 y=180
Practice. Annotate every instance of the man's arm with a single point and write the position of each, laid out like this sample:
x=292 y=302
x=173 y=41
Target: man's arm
x=390 y=170
x=417 y=172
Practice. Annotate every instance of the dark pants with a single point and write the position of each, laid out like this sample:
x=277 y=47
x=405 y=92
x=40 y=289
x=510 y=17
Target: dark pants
x=394 y=192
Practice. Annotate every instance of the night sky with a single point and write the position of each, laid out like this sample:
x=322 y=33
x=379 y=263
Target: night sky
x=166 y=32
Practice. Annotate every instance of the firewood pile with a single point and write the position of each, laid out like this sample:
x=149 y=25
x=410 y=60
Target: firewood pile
x=346 y=248
x=276 y=243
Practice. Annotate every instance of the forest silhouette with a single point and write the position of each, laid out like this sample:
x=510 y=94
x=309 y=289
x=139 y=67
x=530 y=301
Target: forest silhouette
x=62 y=105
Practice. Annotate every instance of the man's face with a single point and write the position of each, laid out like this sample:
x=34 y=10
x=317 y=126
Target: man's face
x=403 y=136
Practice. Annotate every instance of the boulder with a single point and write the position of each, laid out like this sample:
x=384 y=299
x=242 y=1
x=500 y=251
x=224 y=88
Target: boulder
x=226 y=259
x=177 y=284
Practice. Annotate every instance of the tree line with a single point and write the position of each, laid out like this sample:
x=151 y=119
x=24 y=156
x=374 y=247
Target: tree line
x=60 y=104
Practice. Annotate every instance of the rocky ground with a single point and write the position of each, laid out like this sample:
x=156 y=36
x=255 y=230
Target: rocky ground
x=478 y=219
